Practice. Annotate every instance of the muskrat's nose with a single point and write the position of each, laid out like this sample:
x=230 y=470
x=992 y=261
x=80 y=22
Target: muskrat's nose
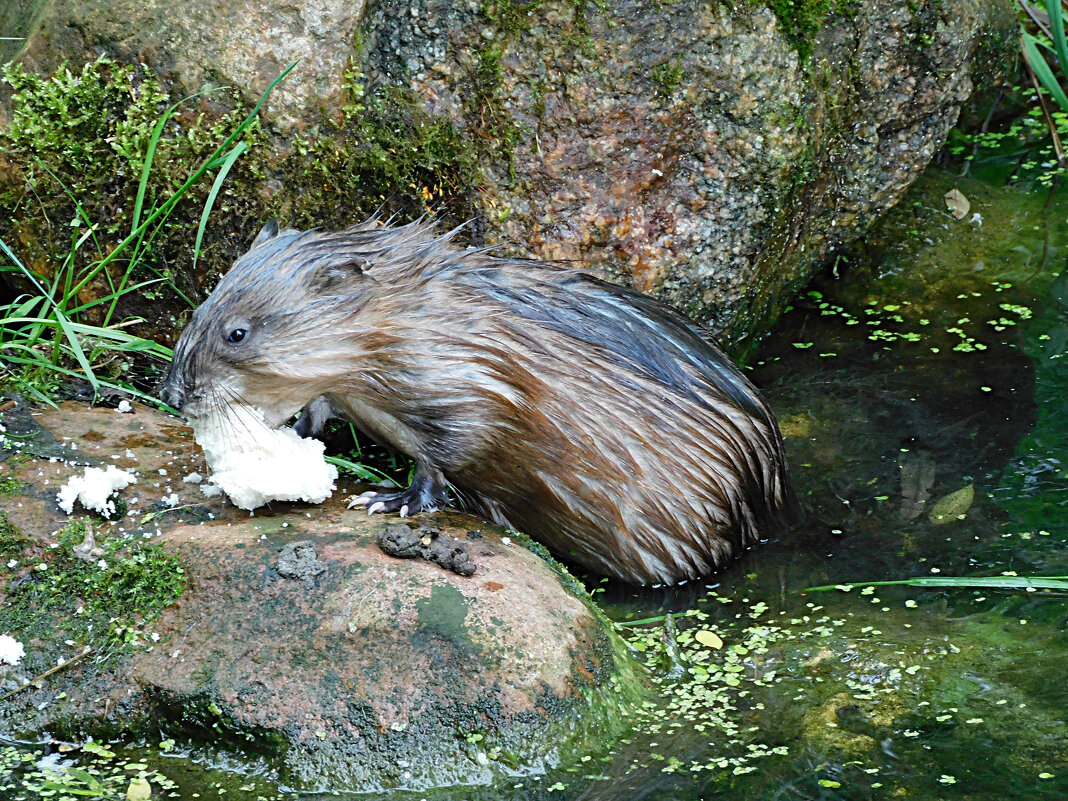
x=172 y=397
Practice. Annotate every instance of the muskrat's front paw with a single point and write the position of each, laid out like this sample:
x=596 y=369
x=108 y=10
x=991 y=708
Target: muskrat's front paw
x=426 y=494
x=401 y=502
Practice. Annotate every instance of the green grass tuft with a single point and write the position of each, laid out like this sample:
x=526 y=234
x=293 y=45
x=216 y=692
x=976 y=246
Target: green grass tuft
x=65 y=135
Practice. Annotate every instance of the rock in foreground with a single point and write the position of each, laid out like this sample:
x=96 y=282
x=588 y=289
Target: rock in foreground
x=301 y=642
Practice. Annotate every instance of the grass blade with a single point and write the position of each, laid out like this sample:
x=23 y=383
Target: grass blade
x=120 y=340
x=28 y=273
x=150 y=154
x=1043 y=72
x=75 y=346
x=1056 y=24
x=117 y=293
x=36 y=360
x=227 y=163
x=359 y=470
x=961 y=582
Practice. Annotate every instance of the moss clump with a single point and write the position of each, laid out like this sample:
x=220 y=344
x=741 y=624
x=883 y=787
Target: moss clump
x=9 y=485
x=667 y=76
x=510 y=16
x=801 y=20
x=31 y=380
x=105 y=594
x=71 y=126
x=12 y=541
x=387 y=150
x=77 y=144
x=485 y=109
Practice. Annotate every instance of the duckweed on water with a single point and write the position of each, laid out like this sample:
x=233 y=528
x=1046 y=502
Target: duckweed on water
x=887 y=322
x=765 y=693
x=104 y=773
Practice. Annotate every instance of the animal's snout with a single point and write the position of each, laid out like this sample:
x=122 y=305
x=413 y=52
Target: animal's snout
x=172 y=395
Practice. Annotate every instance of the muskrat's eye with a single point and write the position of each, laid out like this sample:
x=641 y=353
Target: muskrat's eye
x=237 y=335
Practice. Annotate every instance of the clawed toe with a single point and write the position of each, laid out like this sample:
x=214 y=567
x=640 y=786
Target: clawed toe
x=361 y=500
x=426 y=493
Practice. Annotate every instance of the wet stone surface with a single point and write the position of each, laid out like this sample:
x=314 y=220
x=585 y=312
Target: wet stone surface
x=299 y=640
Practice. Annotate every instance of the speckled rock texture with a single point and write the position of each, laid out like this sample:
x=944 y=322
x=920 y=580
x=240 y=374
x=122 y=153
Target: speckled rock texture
x=685 y=148
x=300 y=644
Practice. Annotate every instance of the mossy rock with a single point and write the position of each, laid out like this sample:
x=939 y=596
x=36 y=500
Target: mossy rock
x=289 y=637
x=712 y=156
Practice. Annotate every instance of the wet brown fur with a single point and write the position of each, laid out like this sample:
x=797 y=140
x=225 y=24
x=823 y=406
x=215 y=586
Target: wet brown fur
x=599 y=421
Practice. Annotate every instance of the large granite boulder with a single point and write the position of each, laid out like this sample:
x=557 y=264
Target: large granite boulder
x=297 y=642
x=708 y=153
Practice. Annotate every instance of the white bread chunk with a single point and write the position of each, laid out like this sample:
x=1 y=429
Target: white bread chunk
x=254 y=464
x=94 y=488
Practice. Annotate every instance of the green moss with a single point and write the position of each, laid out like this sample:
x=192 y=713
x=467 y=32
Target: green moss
x=485 y=109
x=668 y=75
x=9 y=485
x=510 y=16
x=12 y=541
x=387 y=150
x=73 y=124
x=35 y=381
x=800 y=21
x=104 y=595
x=80 y=140
x=580 y=20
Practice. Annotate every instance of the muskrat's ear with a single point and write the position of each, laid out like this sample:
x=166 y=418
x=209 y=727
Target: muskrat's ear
x=332 y=275
x=269 y=231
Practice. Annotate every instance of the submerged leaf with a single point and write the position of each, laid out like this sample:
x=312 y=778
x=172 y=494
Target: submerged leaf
x=952 y=506
x=957 y=203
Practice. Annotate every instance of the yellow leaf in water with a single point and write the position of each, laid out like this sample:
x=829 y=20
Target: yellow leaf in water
x=139 y=789
x=950 y=507
x=957 y=203
x=708 y=638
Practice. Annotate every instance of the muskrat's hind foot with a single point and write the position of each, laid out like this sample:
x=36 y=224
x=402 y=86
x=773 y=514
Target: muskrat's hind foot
x=426 y=493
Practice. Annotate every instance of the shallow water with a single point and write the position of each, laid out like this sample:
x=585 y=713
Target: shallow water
x=931 y=361
x=934 y=363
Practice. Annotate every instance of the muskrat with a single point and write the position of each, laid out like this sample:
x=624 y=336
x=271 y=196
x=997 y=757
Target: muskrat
x=598 y=420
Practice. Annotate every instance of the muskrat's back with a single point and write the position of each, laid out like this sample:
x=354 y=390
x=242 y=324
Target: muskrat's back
x=597 y=420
